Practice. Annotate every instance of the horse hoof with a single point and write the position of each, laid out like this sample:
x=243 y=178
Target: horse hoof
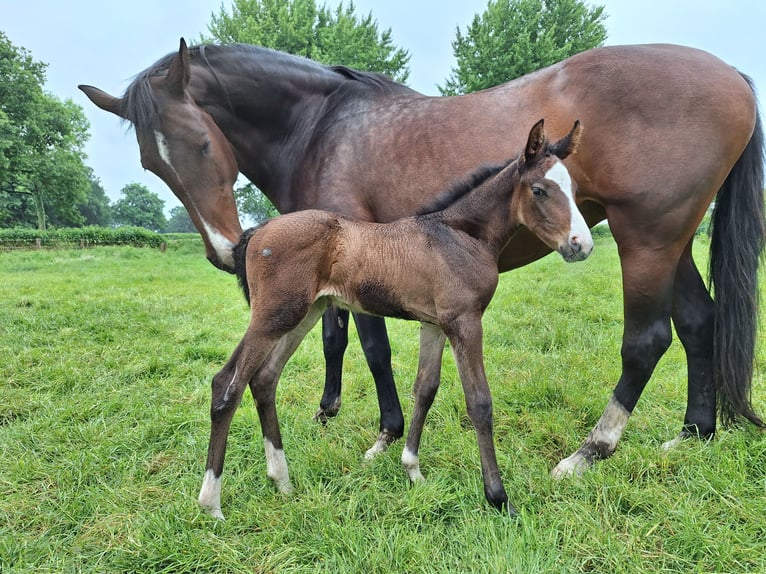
x=385 y=439
x=323 y=414
x=574 y=465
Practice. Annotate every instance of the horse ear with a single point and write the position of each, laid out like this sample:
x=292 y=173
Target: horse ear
x=103 y=100
x=179 y=70
x=568 y=144
x=535 y=142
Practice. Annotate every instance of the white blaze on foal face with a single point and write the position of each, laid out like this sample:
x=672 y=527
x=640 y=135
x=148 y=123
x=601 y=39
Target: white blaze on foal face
x=578 y=229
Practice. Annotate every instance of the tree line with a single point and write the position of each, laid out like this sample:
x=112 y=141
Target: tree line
x=44 y=176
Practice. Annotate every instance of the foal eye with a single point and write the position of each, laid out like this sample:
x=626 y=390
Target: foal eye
x=206 y=147
x=538 y=191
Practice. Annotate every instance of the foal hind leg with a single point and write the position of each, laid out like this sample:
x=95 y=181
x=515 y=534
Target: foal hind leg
x=263 y=387
x=432 y=341
x=693 y=316
x=334 y=341
x=227 y=388
x=647 y=290
x=377 y=351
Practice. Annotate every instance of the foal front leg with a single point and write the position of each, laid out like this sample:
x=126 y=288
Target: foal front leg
x=466 y=340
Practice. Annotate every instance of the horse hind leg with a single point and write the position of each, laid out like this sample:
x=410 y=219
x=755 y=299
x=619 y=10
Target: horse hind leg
x=693 y=316
x=648 y=290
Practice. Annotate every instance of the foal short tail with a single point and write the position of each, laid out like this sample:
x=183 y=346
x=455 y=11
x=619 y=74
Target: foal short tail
x=240 y=259
x=737 y=243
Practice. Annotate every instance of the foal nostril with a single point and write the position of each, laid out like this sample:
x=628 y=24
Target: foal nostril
x=574 y=242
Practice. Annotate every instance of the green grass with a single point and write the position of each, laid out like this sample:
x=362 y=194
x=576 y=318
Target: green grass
x=106 y=357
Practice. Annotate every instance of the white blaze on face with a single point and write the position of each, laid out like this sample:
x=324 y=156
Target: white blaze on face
x=164 y=151
x=577 y=227
x=222 y=246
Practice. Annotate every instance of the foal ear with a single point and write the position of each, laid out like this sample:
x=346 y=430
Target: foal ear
x=103 y=100
x=179 y=70
x=535 y=142
x=568 y=144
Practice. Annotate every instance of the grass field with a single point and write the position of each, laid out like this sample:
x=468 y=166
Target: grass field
x=106 y=357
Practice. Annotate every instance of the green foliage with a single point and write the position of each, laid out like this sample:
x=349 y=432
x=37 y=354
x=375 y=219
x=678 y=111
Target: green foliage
x=514 y=37
x=97 y=210
x=179 y=221
x=42 y=175
x=107 y=356
x=82 y=236
x=300 y=27
x=139 y=207
x=252 y=203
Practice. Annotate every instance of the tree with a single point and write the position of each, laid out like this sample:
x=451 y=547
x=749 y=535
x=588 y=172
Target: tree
x=179 y=221
x=299 y=27
x=252 y=203
x=96 y=210
x=42 y=175
x=140 y=208
x=514 y=37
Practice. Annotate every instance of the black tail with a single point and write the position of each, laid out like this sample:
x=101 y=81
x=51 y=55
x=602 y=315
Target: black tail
x=240 y=259
x=737 y=243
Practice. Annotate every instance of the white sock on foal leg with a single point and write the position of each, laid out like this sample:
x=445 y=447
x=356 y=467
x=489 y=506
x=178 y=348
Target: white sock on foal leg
x=276 y=467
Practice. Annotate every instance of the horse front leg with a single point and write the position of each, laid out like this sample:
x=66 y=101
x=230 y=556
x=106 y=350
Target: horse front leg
x=334 y=342
x=377 y=351
x=465 y=337
x=432 y=341
x=647 y=291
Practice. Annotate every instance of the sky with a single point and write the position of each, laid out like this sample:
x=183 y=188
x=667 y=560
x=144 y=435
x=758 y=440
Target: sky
x=105 y=44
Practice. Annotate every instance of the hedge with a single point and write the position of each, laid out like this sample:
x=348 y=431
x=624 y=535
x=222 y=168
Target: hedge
x=79 y=237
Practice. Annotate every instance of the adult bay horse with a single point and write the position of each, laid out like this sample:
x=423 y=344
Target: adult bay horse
x=439 y=268
x=670 y=129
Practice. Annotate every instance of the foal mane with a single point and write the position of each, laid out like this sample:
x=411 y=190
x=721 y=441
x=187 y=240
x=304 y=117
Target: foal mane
x=462 y=187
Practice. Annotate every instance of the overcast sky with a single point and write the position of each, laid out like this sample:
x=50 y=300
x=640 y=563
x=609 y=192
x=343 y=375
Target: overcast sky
x=105 y=44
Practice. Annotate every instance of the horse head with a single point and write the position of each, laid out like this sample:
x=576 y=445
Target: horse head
x=183 y=146
x=546 y=202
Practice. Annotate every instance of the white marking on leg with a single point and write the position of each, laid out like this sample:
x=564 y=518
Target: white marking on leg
x=411 y=463
x=228 y=387
x=577 y=227
x=276 y=467
x=602 y=439
x=210 y=494
x=673 y=443
x=381 y=445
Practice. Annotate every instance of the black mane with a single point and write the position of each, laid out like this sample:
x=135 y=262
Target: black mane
x=462 y=187
x=139 y=104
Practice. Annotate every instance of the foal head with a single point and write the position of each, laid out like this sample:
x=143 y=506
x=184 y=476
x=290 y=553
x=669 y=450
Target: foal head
x=183 y=146
x=544 y=199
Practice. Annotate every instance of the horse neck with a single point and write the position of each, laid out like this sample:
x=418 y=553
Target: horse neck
x=487 y=212
x=267 y=107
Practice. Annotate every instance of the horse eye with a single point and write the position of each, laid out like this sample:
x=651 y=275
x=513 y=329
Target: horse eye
x=538 y=191
x=206 y=147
